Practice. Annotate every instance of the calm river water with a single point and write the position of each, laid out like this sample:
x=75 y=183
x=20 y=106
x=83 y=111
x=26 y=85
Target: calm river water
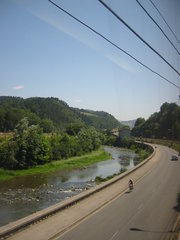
x=22 y=196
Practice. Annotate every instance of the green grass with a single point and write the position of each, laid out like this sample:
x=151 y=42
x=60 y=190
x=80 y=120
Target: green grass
x=170 y=143
x=88 y=114
x=6 y=174
x=71 y=163
x=142 y=155
x=100 y=179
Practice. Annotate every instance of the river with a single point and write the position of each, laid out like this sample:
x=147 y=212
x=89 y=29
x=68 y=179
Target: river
x=22 y=196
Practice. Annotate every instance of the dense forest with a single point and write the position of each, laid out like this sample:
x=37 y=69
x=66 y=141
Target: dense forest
x=50 y=113
x=71 y=132
x=29 y=146
x=164 y=124
x=98 y=119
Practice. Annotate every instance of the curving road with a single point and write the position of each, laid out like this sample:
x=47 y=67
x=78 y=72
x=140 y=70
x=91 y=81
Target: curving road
x=148 y=212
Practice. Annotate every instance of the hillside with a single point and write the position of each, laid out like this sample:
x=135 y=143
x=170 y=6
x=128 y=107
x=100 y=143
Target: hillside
x=164 y=124
x=49 y=113
x=99 y=119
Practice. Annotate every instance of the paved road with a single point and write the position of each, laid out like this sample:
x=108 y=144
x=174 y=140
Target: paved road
x=146 y=213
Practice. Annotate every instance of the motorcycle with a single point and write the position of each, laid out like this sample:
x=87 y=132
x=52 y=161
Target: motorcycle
x=131 y=187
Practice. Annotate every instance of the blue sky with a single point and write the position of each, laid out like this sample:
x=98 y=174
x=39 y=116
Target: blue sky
x=44 y=52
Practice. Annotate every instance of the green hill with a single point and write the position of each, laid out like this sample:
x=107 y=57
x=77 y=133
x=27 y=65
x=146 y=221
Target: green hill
x=164 y=124
x=49 y=113
x=99 y=119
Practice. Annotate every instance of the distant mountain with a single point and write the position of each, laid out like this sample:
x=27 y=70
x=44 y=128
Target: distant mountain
x=162 y=124
x=50 y=113
x=129 y=123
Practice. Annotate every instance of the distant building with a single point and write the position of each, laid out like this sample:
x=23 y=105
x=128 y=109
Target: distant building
x=115 y=132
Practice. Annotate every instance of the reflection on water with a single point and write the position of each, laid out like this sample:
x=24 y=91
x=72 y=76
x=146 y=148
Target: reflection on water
x=22 y=196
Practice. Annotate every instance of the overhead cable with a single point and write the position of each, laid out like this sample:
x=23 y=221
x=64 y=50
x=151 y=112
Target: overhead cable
x=165 y=21
x=137 y=35
x=158 y=26
x=113 y=44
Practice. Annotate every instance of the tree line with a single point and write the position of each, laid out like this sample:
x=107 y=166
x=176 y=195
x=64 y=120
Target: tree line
x=51 y=114
x=163 y=125
x=29 y=146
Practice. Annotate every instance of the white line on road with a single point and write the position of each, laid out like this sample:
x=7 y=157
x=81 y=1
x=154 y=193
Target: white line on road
x=114 y=235
x=141 y=207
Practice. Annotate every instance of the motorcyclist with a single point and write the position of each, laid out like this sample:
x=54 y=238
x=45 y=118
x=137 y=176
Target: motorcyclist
x=131 y=185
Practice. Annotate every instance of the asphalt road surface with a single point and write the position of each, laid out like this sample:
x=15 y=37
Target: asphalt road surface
x=148 y=212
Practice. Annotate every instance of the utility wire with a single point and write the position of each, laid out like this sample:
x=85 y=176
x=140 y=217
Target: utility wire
x=158 y=26
x=165 y=21
x=137 y=35
x=113 y=44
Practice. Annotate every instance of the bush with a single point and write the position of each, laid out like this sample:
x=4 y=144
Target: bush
x=28 y=147
x=65 y=146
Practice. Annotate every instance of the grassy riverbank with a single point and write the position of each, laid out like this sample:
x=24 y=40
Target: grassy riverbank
x=71 y=163
x=100 y=179
x=79 y=162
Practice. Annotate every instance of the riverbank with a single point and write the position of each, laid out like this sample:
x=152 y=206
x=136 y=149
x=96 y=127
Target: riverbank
x=79 y=162
x=141 y=155
x=21 y=196
x=114 y=191
x=100 y=179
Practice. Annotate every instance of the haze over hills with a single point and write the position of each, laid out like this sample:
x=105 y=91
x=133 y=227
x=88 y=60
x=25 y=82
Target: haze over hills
x=129 y=123
x=50 y=113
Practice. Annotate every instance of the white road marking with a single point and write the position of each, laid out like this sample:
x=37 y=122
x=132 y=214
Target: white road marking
x=141 y=207
x=113 y=235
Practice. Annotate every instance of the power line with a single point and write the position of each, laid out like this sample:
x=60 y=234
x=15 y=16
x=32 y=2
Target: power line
x=165 y=21
x=113 y=44
x=158 y=26
x=137 y=35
